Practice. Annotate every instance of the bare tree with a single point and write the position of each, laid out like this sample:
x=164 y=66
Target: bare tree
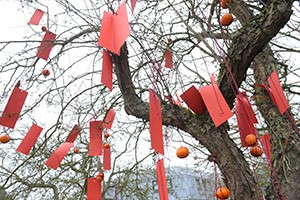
x=262 y=38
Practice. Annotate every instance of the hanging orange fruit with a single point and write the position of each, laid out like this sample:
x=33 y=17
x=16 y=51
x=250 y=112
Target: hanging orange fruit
x=100 y=177
x=4 y=138
x=106 y=145
x=225 y=3
x=223 y=193
x=250 y=140
x=226 y=19
x=76 y=150
x=256 y=151
x=182 y=152
x=45 y=72
x=106 y=135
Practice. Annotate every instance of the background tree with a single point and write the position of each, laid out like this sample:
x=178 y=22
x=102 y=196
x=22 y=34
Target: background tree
x=263 y=37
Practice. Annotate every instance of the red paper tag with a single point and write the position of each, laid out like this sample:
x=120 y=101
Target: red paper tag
x=93 y=189
x=36 y=17
x=58 y=155
x=161 y=180
x=30 y=139
x=133 y=3
x=73 y=134
x=265 y=141
x=194 y=100
x=13 y=108
x=109 y=119
x=106 y=159
x=245 y=117
x=155 y=123
x=168 y=59
x=277 y=92
x=215 y=103
x=95 y=148
x=46 y=45
x=114 y=30
x=107 y=70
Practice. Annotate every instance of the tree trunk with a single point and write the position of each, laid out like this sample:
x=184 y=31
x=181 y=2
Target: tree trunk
x=285 y=178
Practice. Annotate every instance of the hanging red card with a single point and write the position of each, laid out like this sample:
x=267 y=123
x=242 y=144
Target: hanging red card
x=13 y=108
x=161 y=180
x=36 y=17
x=114 y=30
x=168 y=59
x=245 y=117
x=106 y=158
x=194 y=100
x=95 y=147
x=58 y=155
x=46 y=45
x=30 y=139
x=215 y=103
x=107 y=70
x=277 y=92
x=93 y=189
x=265 y=141
x=133 y=3
x=155 y=123
x=109 y=119
x=73 y=134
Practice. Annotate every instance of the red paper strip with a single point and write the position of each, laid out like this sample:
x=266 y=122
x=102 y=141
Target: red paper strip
x=93 y=189
x=95 y=148
x=168 y=59
x=133 y=3
x=109 y=119
x=13 y=108
x=114 y=30
x=161 y=180
x=106 y=159
x=245 y=117
x=155 y=123
x=107 y=70
x=277 y=92
x=30 y=139
x=46 y=45
x=194 y=100
x=215 y=103
x=58 y=155
x=73 y=134
x=36 y=17
x=265 y=141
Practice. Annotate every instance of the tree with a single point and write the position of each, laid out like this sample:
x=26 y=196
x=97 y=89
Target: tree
x=243 y=55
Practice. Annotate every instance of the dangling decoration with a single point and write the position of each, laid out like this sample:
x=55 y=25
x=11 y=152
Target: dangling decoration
x=277 y=93
x=36 y=17
x=194 y=100
x=30 y=139
x=245 y=117
x=58 y=155
x=133 y=3
x=161 y=180
x=226 y=19
x=114 y=30
x=106 y=158
x=265 y=141
x=155 y=123
x=95 y=147
x=93 y=189
x=46 y=45
x=225 y=4
x=107 y=70
x=223 y=193
x=182 y=152
x=168 y=59
x=109 y=119
x=215 y=103
x=13 y=107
